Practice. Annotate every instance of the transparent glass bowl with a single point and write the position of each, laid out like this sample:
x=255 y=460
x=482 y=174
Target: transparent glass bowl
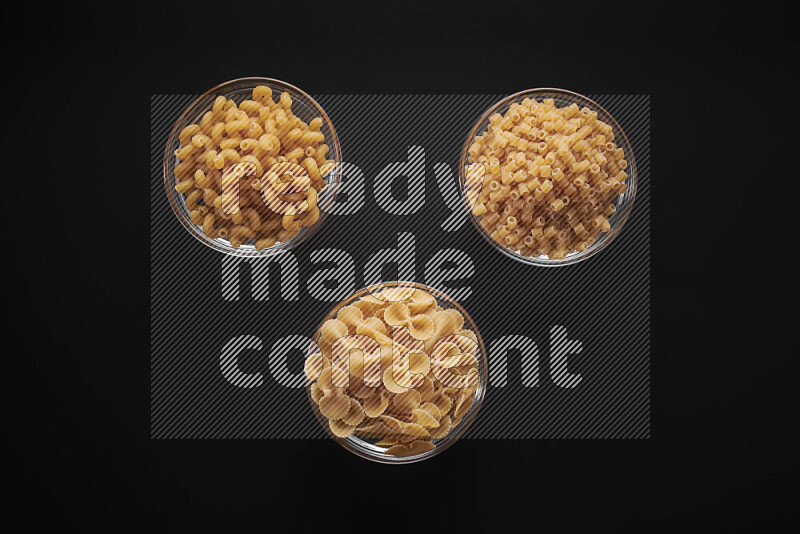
x=364 y=447
x=303 y=106
x=624 y=202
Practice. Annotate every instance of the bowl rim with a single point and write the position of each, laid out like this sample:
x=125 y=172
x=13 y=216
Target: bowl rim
x=628 y=197
x=250 y=251
x=466 y=421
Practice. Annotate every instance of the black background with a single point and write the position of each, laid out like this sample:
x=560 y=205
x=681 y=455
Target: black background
x=75 y=148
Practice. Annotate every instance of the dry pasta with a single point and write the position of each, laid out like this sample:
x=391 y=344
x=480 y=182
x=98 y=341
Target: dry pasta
x=395 y=368
x=224 y=157
x=544 y=180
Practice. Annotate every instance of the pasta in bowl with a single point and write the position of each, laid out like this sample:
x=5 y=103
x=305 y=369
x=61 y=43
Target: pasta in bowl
x=397 y=372
x=548 y=176
x=251 y=166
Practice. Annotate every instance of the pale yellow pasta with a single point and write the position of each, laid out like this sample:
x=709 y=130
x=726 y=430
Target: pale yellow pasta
x=464 y=403
x=425 y=418
x=406 y=401
x=331 y=331
x=399 y=426
x=443 y=429
x=419 y=363
x=334 y=404
x=548 y=167
x=396 y=381
x=341 y=429
x=442 y=402
x=360 y=356
x=316 y=392
x=313 y=366
x=375 y=322
x=351 y=316
x=431 y=409
x=375 y=429
x=258 y=131
x=355 y=415
x=445 y=324
x=380 y=337
x=361 y=389
x=420 y=302
x=419 y=326
x=376 y=405
x=376 y=373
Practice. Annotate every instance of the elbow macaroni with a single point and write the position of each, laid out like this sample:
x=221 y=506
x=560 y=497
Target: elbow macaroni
x=547 y=179
x=395 y=368
x=223 y=158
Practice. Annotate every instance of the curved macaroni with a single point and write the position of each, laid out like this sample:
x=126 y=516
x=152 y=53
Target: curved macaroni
x=266 y=136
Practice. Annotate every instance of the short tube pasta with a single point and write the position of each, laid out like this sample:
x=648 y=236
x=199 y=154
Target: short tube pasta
x=571 y=179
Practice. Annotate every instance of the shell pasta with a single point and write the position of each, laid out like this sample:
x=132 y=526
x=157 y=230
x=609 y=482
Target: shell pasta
x=396 y=369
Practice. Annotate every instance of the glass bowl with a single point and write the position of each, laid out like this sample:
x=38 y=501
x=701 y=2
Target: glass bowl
x=365 y=447
x=303 y=106
x=624 y=202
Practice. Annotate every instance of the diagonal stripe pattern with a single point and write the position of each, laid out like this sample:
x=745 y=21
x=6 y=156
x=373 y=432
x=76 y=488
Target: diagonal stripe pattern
x=227 y=342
